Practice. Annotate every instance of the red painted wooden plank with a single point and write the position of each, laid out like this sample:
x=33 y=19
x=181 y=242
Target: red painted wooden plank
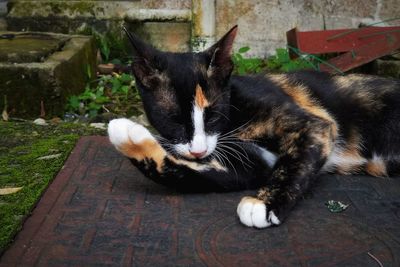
x=332 y=41
x=364 y=54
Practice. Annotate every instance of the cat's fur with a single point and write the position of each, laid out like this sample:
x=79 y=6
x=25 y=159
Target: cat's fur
x=273 y=132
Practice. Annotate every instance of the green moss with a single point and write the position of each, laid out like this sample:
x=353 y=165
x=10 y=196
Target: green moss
x=198 y=42
x=57 y=7
x=80 y=7
x=25 y=48
x=21 y=146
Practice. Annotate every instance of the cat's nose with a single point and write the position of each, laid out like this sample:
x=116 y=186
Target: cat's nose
x=198 y=154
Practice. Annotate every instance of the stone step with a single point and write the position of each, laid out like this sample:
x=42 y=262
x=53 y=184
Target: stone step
x=43 y=69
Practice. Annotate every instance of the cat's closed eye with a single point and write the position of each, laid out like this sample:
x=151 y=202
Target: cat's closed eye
x=213 y=120
x=211 y=117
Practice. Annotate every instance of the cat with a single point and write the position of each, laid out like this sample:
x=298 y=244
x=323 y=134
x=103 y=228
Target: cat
x=273 y=133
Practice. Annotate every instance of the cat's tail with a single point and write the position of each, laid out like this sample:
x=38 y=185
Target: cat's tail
x=380 y=167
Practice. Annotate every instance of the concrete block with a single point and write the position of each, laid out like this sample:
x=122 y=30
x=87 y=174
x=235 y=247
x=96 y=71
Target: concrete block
x=168 y=36
x=43 y=67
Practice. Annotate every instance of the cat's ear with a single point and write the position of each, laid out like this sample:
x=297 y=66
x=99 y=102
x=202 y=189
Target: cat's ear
x=144 y=56
x=220 y=54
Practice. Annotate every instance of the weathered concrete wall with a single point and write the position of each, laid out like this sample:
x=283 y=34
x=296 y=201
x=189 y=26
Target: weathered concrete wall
x=165 y=29
x=263 y=24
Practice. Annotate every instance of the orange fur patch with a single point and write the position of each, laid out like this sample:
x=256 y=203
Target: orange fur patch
x=265 y=195
x=256 y=130
x=353 y=165
x=200 y=99
x=147 y=149
x=302 y=98
x=376 y=167
x=350 y=85
x=351 y=152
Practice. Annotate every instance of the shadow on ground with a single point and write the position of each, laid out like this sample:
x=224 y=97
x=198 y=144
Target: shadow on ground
x=100 y=211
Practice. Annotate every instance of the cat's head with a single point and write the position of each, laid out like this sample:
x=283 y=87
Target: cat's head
x=186 y=95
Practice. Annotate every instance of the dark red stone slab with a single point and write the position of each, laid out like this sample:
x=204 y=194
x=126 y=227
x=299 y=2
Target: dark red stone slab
x=100 y=211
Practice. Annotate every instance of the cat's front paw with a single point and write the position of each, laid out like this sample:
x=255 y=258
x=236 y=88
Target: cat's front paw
x=135 y=141
x=124 y=131
x=253 y=212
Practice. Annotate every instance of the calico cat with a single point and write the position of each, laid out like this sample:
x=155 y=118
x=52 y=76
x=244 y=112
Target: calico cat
x=271 y=132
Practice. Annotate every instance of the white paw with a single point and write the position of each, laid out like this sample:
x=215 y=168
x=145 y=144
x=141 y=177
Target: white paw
x=253 y=212
x=122 y=131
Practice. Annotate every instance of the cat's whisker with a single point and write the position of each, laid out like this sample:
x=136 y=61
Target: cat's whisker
x=236 y=129
x=239 y=127
x=227 y=105
x=221 y=151
x=227 y=145
x=236 y=139
x=237 y=145
x=223 y=115
x=218 y=97
x=233 y=167
x=234 y=154
x=217 y=156
x=222 y=157
x=160 y=138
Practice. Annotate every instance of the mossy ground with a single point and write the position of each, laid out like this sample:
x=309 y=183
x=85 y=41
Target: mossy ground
x=21 y=146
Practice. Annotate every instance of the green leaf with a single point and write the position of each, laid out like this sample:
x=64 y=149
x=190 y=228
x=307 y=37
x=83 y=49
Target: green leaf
x=94 y=106
x=125 y=89
x=92 y=95
x=238 y=57
x=88 y=71
x=100 y=89
x=116 y=84
x=243 y=49
x=106 y=78
x=126 y=78
x=102 y=100
x=116 y=61
x=73 y=102
x=335 y=206
x=282 y=55
x=105 y=49
x=93 y=113
x=290 y=66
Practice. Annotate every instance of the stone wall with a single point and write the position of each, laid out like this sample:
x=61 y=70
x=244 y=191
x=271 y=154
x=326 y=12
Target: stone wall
x=166 y=29
x=262 y=24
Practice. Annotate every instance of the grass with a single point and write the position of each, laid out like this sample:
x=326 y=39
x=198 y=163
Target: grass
x=21 y=147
